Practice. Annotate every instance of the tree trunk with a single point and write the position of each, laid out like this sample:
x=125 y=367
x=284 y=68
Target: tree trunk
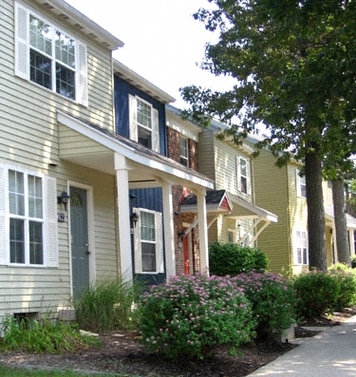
x=342 y=243
x=316 y=213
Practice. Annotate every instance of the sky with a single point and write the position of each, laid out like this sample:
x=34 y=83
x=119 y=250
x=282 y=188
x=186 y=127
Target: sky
x=163 y=42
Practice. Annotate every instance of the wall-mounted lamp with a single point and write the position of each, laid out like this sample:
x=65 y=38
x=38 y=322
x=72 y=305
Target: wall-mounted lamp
x=133 y=219
x=63 y=199
x=181 y=234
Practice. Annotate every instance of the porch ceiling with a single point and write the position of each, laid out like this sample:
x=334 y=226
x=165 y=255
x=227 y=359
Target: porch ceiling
x=96 y=148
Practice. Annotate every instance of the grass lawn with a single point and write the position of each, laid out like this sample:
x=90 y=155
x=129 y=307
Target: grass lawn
x=16 y=372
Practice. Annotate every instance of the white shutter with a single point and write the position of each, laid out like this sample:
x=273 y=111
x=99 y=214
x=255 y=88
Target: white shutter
x=155 y=130
x=238 y=175
x=298 y=183
x=51 y=236
x=3 y=232
x=21 y=43
x=133 y=117
x=82 y=75
x=159 y=243
x=248 y=176
x=137 y=243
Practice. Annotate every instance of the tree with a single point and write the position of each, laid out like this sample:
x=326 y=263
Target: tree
x=294 y=68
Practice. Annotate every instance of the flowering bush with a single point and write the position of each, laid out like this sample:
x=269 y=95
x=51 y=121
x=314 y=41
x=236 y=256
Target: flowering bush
x=272 y=299
x=191 y=314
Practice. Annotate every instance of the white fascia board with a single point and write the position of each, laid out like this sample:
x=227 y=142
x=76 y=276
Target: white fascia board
x=129 y=152
x=81 y=22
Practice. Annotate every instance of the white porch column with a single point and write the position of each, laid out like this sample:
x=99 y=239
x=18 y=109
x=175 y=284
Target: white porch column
x=203 y=231
x=352 y=242
x=168 y=226
x=123 y=208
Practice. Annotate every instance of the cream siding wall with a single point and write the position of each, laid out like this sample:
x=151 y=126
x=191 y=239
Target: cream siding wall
x=271 y=193
x=29 y=139
x=207 y=154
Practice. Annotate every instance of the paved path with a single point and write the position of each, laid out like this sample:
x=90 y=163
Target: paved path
x=330 y=353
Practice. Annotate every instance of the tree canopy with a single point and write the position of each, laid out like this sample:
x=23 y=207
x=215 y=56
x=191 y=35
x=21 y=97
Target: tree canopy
x=294 y=70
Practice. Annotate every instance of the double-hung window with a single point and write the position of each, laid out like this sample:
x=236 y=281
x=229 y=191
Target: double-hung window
x=183 y=150
x=27 y=219
x=144 y=123
x=148 y=242
x=243 y=175
x=50 y=57
x=301 y=248
x=301 y=185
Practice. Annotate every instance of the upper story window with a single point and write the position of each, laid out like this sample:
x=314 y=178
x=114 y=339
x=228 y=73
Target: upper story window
x=148 y=242
x=183 y=150
x=301 y=185
x=50 y=57
x=27 y=219
x=144 y=123
x=243 y=175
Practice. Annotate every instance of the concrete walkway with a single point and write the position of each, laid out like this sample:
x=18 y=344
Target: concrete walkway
x=330 y=353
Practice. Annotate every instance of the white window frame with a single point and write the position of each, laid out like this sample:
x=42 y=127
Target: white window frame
x=301 y=185
x=184 y=157
x=22 y=55
x=240 y=176
x=50 y=237
x=134 y=124
x=300 y=248
x=232 y=236
x=158 y=242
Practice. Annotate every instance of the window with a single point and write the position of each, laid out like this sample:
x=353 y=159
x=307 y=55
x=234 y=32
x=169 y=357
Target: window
x=231 y=236
x=49 y=57
x=243 y=175
x=301 y=185
x=27 y=219
x=144 y=123
x=301 y=248
x=183 y=150
x=148 y=242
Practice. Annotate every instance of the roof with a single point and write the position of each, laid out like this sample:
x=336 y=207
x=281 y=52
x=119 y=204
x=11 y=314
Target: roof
x=350 y=221
x=216 y=201
x=130 y=149
x=141 y=83
x=65 y=12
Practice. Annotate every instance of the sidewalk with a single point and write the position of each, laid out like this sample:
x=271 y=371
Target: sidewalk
x=332 y=353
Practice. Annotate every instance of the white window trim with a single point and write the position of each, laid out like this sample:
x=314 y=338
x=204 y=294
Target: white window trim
x=22 y=62
x=133 y=121
x=159 y=243
x=181 y=156
x=50 y=236
x=300 y=181
x=296 y=245
x=238 y=174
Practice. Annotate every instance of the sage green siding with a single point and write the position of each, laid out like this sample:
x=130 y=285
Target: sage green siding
x=29 y=135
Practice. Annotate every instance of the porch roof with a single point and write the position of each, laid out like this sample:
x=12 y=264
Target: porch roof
x=89 y=145
x=350 y=220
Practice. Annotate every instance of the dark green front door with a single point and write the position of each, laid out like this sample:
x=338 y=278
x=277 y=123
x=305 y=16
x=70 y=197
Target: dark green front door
x=79 y=236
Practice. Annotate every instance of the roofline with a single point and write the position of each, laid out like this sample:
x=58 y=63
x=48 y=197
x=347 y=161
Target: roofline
x=140 y=82
x=81 y=22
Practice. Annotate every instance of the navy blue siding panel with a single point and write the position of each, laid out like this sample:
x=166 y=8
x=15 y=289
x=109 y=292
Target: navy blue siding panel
x=149 y=198
x=122 y=89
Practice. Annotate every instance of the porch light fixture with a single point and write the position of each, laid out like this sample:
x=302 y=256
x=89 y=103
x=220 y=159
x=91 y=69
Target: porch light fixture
x=63 y=199
x=133 y=219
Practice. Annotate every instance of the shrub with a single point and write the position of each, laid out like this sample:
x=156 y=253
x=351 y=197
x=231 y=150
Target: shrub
x=317 y=293
x=233 y=259
x=346 y=280
x=191 y=314
x=353 y=262
x=107 y=305
x=43 y=336
x=273 y=301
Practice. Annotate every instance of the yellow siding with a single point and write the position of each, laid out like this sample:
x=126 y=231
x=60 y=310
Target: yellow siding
x=271 y=193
